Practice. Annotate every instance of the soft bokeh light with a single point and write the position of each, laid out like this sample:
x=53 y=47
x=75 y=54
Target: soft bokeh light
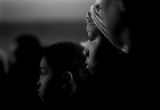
x=43 y=10
x=50 y=20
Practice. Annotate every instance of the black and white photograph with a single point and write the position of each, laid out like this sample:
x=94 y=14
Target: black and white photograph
x=73 y=55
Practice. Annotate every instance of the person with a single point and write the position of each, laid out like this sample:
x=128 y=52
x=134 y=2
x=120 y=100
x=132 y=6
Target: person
x=24 y=59
x=62 y=72
x=119 y=47
x=105 y=36
x=106 y=53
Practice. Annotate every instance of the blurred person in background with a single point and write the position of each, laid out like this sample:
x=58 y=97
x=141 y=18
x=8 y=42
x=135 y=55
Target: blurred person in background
x=25 y=55
x=3 y=77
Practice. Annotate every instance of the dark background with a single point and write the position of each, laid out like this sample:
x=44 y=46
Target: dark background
x=46 y=32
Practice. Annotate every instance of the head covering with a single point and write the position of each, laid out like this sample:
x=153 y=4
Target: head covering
x=96 y=17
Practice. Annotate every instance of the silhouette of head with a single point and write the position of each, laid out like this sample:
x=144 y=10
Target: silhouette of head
x=25 y=45
x=24 y=66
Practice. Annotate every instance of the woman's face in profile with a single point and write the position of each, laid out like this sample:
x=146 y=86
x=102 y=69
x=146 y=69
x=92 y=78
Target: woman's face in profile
x=92 y=45
x=45 y=77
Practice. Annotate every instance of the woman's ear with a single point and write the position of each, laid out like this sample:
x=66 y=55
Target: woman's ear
x=67 y=78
